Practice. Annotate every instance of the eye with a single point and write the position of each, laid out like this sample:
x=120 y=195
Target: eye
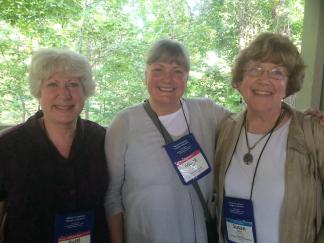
x=51 y=84
x=179 y=71
x=157 y=69
x=255 y=71
x=73 y=84
x=278 y=73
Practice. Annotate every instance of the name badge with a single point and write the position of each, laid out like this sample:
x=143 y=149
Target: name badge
x=239 y=219
x=74 y=228
x=188 y=159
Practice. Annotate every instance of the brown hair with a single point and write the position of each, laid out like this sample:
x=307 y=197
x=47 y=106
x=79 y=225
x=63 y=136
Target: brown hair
x=274 y=48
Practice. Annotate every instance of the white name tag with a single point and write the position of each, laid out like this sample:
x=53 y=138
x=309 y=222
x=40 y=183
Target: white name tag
x=239 y=218
x=188 y=159
x=74 y=227
x=79 y=238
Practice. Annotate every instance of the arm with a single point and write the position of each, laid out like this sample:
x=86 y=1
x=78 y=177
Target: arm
x=320 y=235
x=2 y=215
x=3 y=198
x=116 y=228
x=315 y=113
x=115 y=149
x=2 y=210
x=319 y=141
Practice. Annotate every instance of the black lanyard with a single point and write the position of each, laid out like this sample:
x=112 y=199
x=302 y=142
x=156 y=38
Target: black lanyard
x=157 y=121
x=168 y=139
x=280 y=117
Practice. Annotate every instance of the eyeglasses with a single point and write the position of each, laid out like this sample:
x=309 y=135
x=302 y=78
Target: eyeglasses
x=277 y=73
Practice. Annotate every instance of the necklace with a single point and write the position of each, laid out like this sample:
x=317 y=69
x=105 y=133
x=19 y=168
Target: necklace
x=248 y=157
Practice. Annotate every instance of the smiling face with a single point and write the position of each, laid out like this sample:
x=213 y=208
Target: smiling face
x=166 y=83
x=62 y=99
x=263 y=86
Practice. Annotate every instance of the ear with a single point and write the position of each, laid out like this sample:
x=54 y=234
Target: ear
x=145 y=77
x=237 y=85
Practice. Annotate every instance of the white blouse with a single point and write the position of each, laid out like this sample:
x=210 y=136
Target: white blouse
x=269 y=185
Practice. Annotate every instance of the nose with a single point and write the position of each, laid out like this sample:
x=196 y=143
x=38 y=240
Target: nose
x=168 y=76
x=64 y=91
x=265 y=74
x=265 y=77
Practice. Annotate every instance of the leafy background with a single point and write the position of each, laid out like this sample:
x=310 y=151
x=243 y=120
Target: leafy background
x=115 y=35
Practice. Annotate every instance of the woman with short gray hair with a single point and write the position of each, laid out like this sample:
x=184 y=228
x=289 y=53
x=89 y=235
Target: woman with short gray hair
x=47 y=61
x=53 y=174
x=150 y=198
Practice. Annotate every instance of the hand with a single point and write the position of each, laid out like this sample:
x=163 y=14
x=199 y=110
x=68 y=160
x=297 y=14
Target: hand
x=316 y=113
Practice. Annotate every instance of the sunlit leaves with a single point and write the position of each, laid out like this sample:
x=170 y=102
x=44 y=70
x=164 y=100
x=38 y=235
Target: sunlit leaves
x=115 y=35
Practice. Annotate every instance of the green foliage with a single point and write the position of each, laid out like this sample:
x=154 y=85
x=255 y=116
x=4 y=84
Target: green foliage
x=115 y=36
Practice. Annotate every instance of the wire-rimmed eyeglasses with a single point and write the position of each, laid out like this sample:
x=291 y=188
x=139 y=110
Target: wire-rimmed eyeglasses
x=277 y=73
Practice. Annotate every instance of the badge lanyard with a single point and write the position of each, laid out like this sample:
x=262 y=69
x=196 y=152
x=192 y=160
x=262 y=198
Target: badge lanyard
x=238 y=213
x=74 y=227
x=168 y=139
x=186 y=156
x=160 y=125
x=262 y=150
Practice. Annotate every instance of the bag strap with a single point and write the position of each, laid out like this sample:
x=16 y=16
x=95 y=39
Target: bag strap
x=310 y=143
x=168 y=139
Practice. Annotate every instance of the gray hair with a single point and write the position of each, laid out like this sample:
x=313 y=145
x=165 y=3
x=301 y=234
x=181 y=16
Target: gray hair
x=45 y=62
x=167 y=50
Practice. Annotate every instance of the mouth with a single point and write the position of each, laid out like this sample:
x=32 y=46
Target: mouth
x=64 y=107
x=262 y=92
x=166 y=89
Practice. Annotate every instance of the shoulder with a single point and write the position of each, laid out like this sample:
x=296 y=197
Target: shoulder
x=203 y=103
x=230 y=126
x=230 y=120
x=13 y=134
x=128 y=118
x=23 y=131
x=17 y=142
x=317 y=128
x=128 y=114
x=207 y=107
x=131 y=110
x=302 y=124
x=93 y=129
x=91 y=125
x=299 y=118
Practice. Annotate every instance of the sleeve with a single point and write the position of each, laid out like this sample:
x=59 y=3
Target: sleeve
x=115 y=149
x=319 y=141
x=220 y=112
x=3 y=192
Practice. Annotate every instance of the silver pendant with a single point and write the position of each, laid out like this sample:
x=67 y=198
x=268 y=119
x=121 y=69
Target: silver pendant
x=248 y=158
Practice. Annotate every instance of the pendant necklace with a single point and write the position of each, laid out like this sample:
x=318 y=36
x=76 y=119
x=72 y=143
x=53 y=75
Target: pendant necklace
x=248 y=157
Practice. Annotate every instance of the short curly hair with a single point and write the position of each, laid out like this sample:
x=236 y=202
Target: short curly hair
x=274 y=48
x=45 y=62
